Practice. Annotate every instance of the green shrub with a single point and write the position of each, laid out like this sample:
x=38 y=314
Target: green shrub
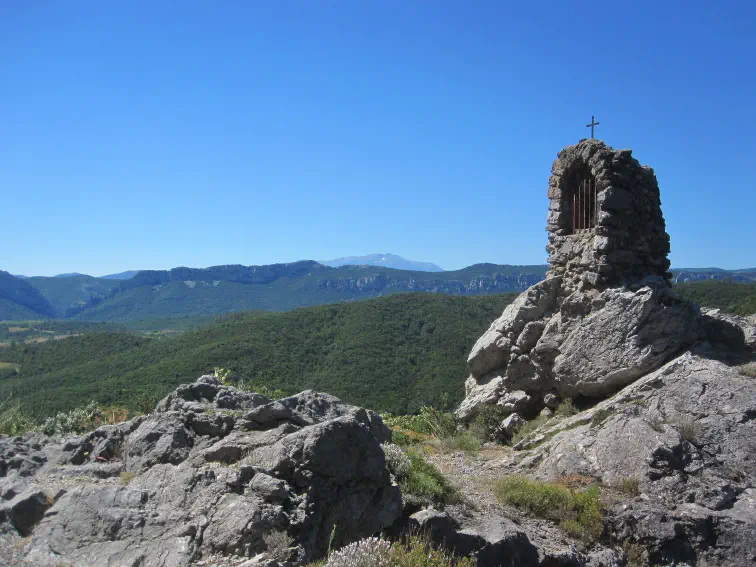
x=466 y=442
x=441 y=424
x=417 y=551
x=75 y=421
x=566 y=408
x=426 y=483
x=578 y=511
x=629 y=486
x=489 y=419
x=431 y=422
x=13 y=420
x=738 y=298
x=262 y=389
x=417 y=423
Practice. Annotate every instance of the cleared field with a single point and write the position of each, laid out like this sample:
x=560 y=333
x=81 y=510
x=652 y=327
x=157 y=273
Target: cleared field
x=4 y=366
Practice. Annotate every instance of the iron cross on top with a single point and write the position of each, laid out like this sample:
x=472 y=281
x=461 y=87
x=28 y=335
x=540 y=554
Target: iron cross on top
x=592 y=124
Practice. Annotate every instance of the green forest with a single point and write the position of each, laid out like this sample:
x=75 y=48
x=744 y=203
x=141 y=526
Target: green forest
x=395 y=354
x=738 y=298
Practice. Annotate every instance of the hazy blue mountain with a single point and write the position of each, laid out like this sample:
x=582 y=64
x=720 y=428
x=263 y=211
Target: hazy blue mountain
x=69 y=275
x=73 y=294
x=385 y=261
x=189 y=292
x=127 y=275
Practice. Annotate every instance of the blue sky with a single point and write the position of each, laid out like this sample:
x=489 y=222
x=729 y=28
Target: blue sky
x=157 y=134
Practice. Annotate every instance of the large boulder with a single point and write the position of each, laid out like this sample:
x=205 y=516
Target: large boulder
x=581 y=343
x=492 y=349
x=627 y=335
x=213 y=471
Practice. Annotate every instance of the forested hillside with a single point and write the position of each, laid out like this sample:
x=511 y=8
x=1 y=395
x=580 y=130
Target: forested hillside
x=20 y=300
x=738 y=298
x=394 y=353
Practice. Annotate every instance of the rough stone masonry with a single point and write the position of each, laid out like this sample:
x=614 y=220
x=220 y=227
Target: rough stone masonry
x=606 y=314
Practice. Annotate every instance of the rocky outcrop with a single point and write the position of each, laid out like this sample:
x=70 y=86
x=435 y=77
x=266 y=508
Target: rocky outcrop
x=677 y=448
x=213 y=471
x=552 y=342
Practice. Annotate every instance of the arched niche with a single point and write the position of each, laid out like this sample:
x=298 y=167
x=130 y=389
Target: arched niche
x=580 y=199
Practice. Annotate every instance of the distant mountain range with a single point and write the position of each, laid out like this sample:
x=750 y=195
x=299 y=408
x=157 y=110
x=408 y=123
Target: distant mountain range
x=385 y=261
x=181 y=292
x=688 y=275
x=127 y=275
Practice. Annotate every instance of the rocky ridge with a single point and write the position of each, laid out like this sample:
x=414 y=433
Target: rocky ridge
x=218 y=477
x=212 y=472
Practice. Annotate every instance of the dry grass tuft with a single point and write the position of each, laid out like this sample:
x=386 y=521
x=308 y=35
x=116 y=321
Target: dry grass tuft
x=748 y=370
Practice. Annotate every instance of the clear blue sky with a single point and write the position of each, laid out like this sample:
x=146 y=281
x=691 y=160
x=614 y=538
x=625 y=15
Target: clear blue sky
x=153 y=134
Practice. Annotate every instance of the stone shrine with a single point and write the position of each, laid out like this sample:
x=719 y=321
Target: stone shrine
x=606 y=314
x=605 y=221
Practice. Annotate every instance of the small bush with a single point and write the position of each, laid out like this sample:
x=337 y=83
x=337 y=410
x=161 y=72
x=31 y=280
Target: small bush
x=223 y=375
x=629 y=486
x=415 y=551
x=370 y=552
x=416 y=423
x=566 y=408
x=442 y=424
x=488 y=421
x=578 y=511
x=430 y=423
x=748 y=370
x=426 y=482
x=277 y=544
x=687 y=428
x=127 y=477
x=78 y=420
x=13 y=420
x=467 y=442
x=397 y=462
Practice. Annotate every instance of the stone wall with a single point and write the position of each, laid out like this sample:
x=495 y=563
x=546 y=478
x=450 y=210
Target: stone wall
x=629 y=241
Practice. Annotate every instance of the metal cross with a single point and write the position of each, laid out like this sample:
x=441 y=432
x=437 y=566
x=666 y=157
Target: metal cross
x=592 y=124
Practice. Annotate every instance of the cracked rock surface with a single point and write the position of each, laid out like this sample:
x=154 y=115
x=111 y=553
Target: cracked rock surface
x=208 y=474
x=681 y=443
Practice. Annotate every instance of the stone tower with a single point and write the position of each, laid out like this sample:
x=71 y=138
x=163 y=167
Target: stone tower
x=605 y=221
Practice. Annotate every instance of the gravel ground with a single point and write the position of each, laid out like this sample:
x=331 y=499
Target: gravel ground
x=474 y=478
